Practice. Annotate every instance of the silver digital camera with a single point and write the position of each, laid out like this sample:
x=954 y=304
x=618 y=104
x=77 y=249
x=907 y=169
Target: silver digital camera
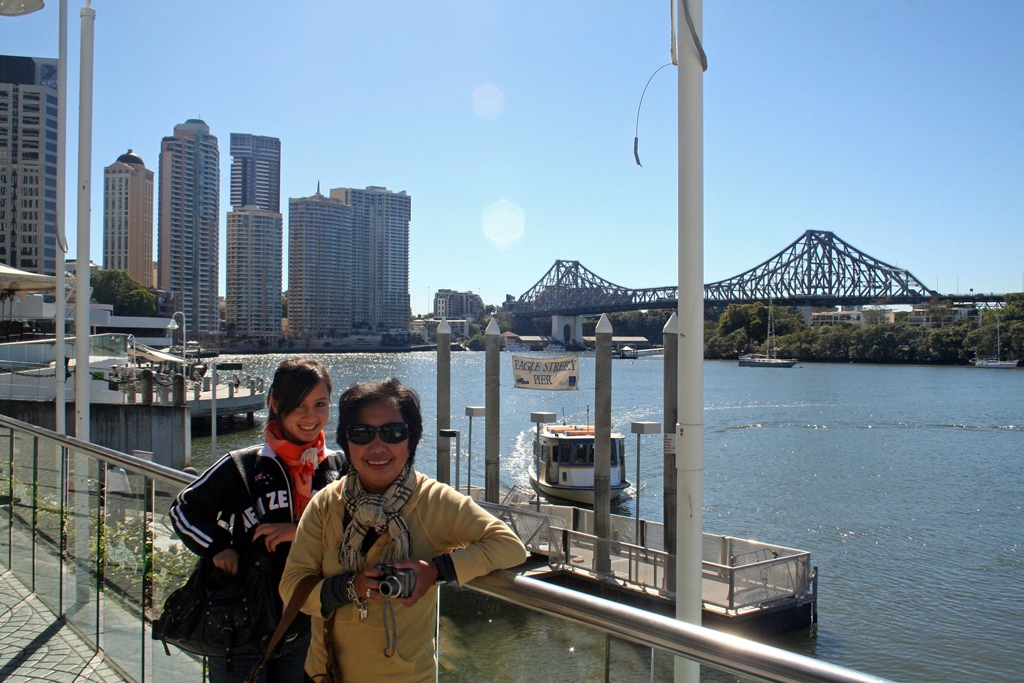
x=396 y=583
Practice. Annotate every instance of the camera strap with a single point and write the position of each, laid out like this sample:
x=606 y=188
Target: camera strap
x=390 y=630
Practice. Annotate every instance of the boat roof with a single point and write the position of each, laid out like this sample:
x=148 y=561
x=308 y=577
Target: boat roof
x=564 y=431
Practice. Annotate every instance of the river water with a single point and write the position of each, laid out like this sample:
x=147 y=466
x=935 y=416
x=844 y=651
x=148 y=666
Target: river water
x=905 y=483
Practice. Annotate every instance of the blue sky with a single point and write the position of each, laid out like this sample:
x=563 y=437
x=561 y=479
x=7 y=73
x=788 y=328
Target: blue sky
x=897 y=124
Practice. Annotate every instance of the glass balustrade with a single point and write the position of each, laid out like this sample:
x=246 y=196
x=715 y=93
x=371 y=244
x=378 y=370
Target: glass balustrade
x=86 y=529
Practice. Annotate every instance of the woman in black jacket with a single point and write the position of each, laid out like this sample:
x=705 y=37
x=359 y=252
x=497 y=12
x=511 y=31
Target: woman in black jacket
x=257 y=496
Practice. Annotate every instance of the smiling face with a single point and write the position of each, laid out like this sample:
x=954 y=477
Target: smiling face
x=379 y=464
x=307 y=420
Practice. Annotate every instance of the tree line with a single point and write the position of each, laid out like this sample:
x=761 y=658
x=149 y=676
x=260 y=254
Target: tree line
x=743 y=328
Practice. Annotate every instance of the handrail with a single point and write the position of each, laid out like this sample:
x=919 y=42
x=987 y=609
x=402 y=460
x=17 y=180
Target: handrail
x=721 y=650
x=152 y=469
x=715 y=648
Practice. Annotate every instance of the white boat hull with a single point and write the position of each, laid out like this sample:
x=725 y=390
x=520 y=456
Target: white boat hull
x=582 y=495
x=762 y=361
x=996 y=364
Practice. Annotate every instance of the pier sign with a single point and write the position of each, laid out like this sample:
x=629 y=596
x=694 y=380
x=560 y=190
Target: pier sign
x=552 y=374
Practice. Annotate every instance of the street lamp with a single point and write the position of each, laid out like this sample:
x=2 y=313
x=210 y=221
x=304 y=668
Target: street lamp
x=13 y=8
x=639 y=428
x=471 y=412
x=173 y=326
x=448 y=434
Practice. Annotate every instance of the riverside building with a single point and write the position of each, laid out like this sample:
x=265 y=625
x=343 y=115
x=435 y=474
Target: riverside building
x=28 y=164
x=348 y=262
x=452 y=305
x=128 y=218
x=189 y=224
x=254 y=238
x=319 y=272
x=379 y=294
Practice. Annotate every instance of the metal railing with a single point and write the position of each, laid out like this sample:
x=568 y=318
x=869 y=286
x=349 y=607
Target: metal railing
x=94 y=544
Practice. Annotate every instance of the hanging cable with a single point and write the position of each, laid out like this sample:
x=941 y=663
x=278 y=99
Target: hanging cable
x=636 y=130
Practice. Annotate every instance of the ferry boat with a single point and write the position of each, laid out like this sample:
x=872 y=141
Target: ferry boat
x=518 y=347
x=563 y=466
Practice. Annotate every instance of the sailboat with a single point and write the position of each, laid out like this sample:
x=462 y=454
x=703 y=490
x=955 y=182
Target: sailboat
x=768 y=359
x=994 y=362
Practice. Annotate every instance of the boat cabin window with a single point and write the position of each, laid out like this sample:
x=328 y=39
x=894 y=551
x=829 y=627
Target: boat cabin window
x=583 y=454
x=564 y=455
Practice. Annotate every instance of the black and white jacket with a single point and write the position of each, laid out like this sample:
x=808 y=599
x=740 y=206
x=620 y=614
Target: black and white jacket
x=217 y=510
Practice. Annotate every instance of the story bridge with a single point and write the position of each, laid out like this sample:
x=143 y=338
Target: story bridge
x=817 y=269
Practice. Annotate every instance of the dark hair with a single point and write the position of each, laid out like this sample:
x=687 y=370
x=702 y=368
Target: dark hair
x=361 y=394
x=293 y=381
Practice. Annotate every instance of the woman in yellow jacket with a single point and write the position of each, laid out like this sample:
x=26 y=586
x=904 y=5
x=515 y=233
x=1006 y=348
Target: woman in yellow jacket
x=386 y=513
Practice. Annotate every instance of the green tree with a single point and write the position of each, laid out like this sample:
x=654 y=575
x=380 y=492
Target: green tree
x=125 y=293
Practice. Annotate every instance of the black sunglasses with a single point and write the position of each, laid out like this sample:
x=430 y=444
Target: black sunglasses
x=392 y=432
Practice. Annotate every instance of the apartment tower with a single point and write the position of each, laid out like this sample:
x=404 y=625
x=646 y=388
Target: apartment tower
x=28 y=164
x=254 y=236
x=319 y=266
x=188 y=225
x=379 y=294
x=128 y=218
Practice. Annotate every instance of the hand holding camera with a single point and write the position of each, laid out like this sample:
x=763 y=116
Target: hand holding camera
x=396 y=582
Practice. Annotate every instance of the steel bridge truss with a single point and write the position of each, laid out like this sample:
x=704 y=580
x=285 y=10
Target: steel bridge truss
x=568 y=288
x=818 y=269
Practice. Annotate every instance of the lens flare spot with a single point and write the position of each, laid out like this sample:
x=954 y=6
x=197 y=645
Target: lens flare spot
x=503 y=223
x=488 y=101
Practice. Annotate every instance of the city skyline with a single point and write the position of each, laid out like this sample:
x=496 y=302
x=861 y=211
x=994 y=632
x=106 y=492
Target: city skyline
x=893 y=124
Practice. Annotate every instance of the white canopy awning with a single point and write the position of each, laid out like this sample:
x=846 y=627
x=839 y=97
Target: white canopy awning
x=14 y=282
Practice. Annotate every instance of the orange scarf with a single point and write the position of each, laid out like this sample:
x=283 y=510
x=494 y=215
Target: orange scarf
x=299 y=459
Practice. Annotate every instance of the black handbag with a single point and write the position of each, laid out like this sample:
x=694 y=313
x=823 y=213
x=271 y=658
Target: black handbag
x=218 y=615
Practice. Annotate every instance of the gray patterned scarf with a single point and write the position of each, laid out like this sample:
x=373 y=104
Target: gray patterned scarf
x=381 y=512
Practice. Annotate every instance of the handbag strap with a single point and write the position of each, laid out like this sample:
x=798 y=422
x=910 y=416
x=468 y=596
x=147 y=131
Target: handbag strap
x=302 y=591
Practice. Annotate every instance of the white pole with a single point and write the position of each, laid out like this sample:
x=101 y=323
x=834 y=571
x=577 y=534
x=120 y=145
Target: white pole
x=213 y=411
x=690 y=429
x=60 y=299
x=82 y=289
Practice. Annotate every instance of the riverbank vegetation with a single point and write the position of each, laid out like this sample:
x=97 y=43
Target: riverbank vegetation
x=743 y=328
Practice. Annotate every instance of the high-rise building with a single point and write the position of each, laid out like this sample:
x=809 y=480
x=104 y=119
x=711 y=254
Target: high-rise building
x=188 y=226
x=254 y=274
x=255 y=171
x=348 y=262
x=128 y=217
x=379 y=298
x=28 y=164
x=254 y=234
x=319 y=270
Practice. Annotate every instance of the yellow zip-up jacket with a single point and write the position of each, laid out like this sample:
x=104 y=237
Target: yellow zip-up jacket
x=440 y=520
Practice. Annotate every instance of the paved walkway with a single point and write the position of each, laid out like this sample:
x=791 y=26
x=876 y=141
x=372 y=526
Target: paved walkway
x=37 y=646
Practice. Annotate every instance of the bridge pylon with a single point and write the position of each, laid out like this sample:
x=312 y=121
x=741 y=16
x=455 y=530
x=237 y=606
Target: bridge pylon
x=567 y=329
